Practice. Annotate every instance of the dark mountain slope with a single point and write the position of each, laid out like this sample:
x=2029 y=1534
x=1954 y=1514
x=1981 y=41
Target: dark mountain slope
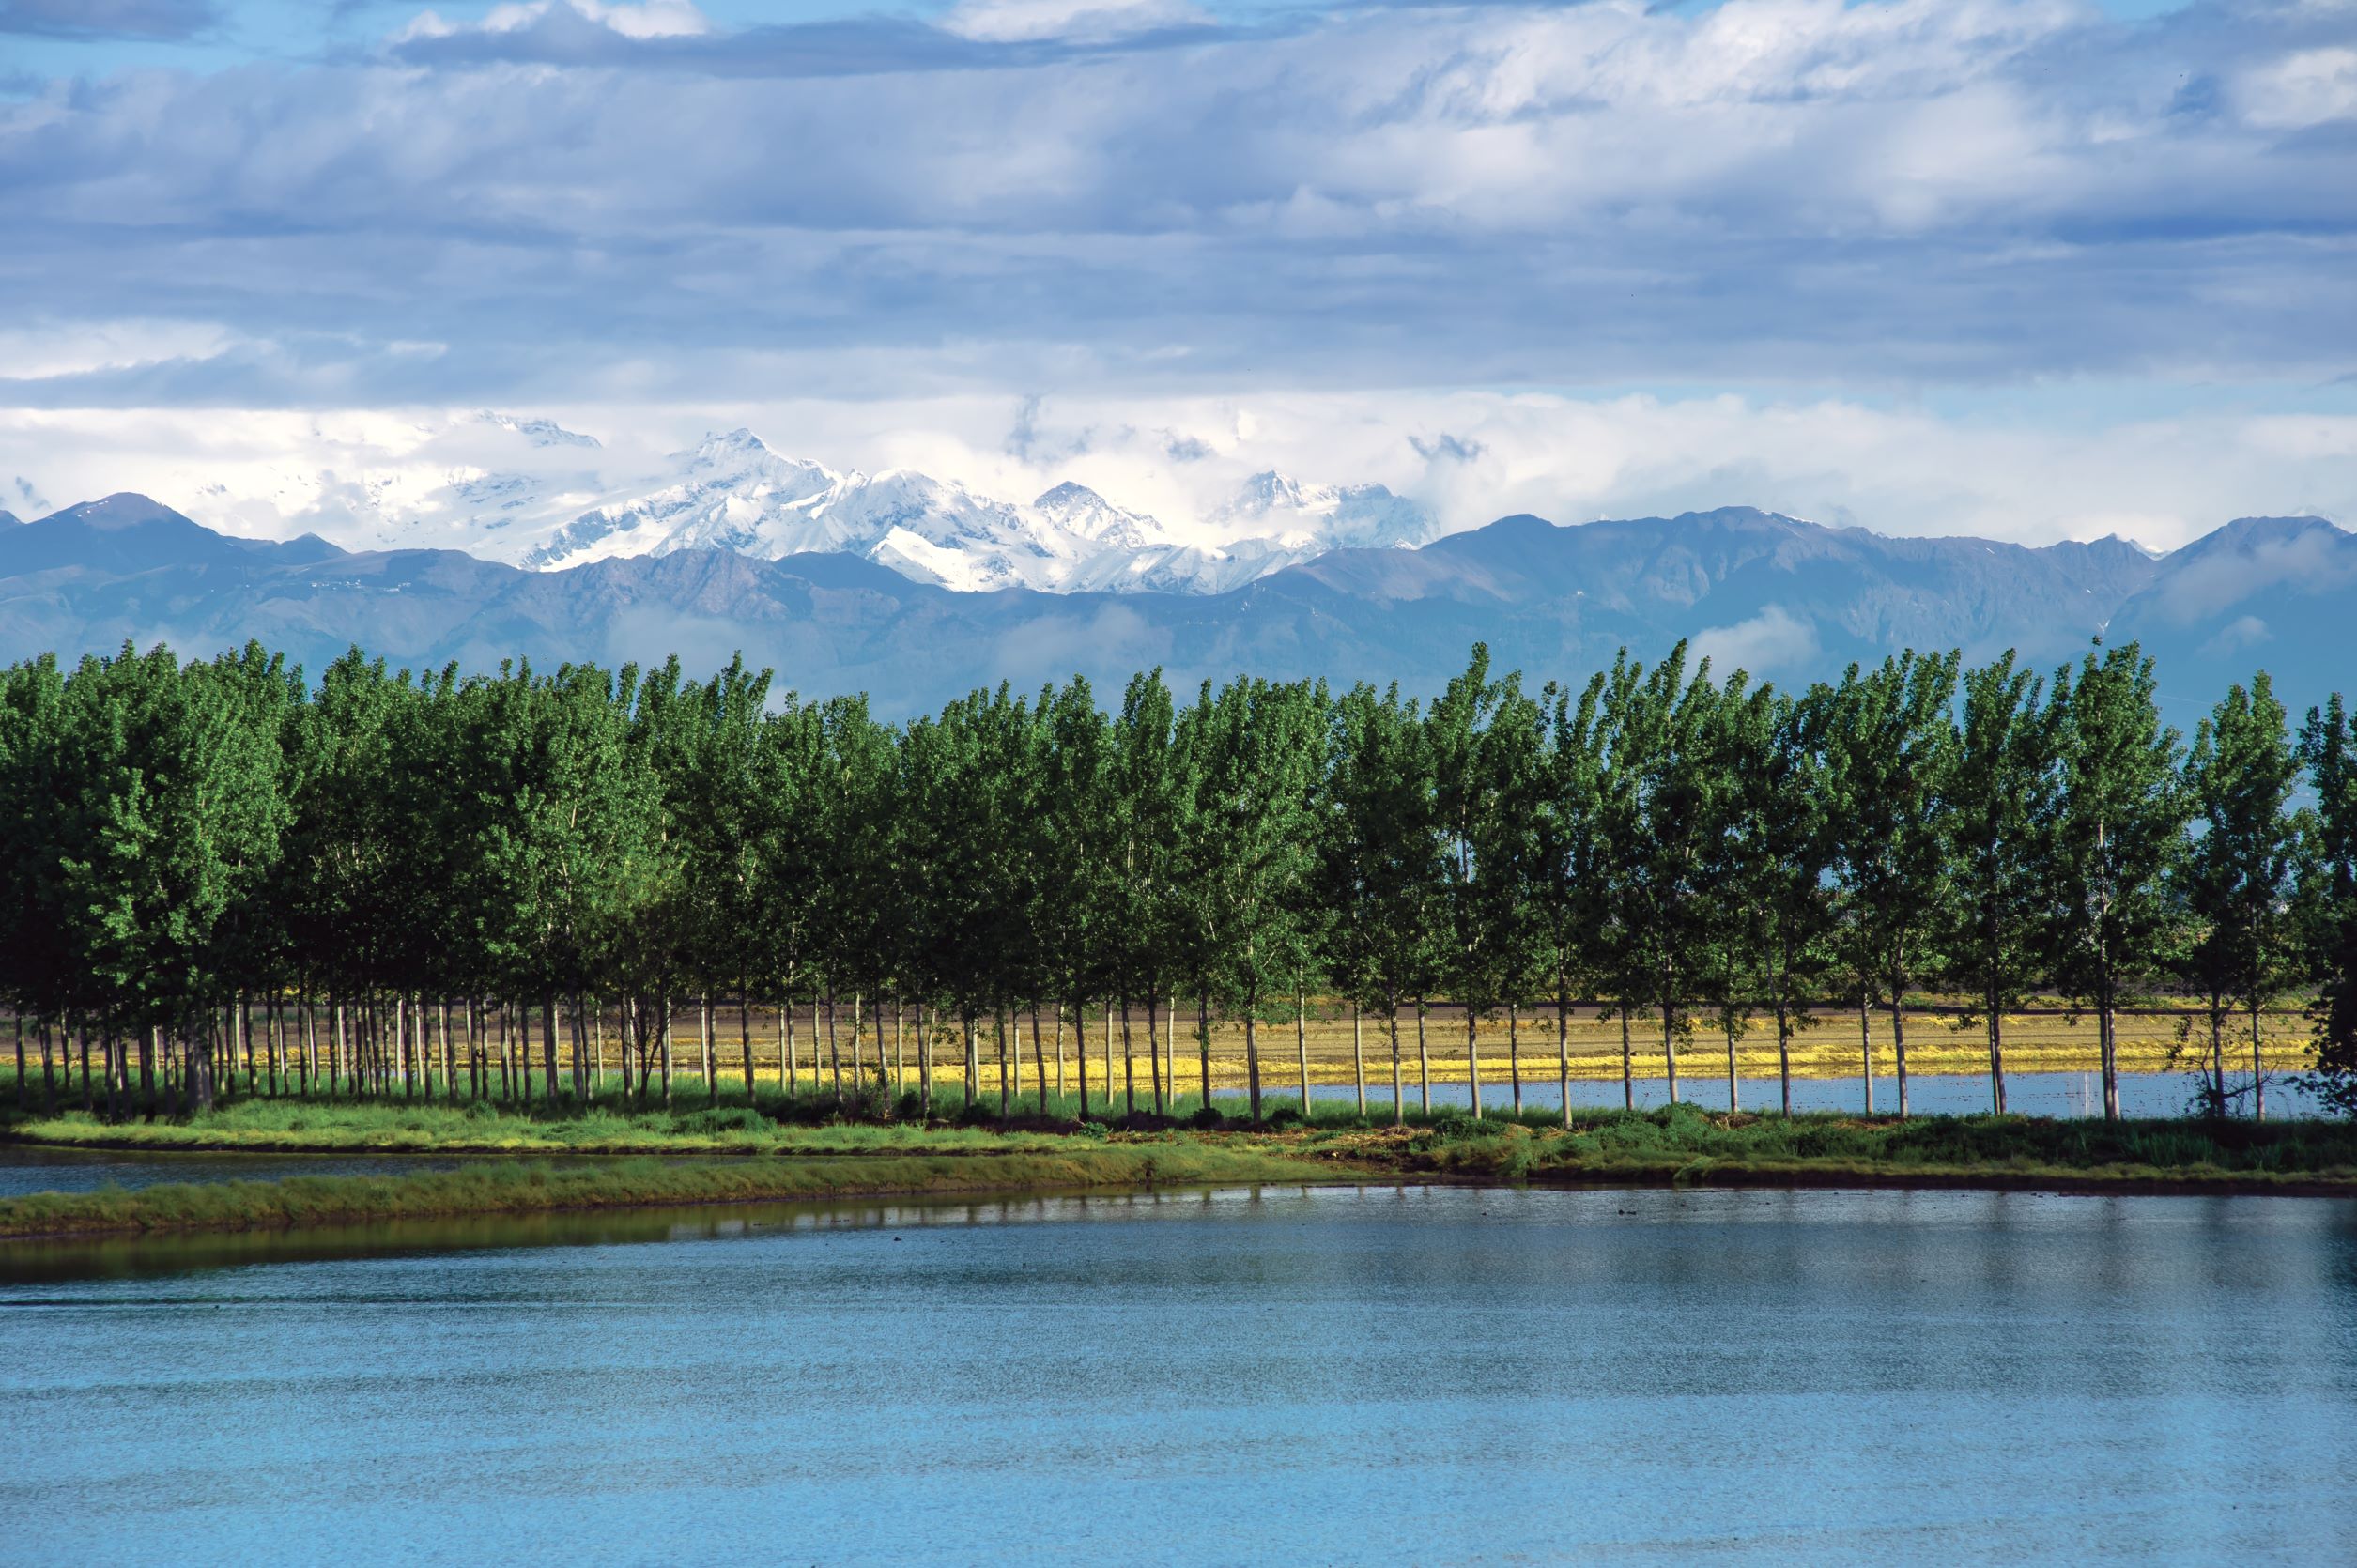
x=1787 y=599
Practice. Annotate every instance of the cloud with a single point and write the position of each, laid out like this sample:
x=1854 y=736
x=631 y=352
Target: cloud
x=108 y=18
x=1771 y=643
x=1015 y=20
x=1837 y=213
x=1445 y=448
x=366 y=477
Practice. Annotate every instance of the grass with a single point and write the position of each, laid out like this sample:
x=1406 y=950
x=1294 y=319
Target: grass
x=534 y=1188
x=1686 y=1146
x=807 y=1148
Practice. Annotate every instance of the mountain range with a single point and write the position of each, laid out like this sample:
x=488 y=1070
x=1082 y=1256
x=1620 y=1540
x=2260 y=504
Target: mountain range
x=531 y=493
x=1788 y=600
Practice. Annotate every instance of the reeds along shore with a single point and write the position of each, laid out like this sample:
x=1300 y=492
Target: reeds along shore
x=518 y=885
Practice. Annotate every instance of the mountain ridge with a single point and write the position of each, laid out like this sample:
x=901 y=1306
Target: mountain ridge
x=1791 y=600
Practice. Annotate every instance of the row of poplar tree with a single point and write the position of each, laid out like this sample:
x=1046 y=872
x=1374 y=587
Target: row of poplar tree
x=184 y=841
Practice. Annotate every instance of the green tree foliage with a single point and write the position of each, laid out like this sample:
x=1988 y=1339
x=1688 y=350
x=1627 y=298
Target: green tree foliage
x=2120 y=831
x=222 y=878
x=2242 y=872
x=2328 y=748
x=2004 y=794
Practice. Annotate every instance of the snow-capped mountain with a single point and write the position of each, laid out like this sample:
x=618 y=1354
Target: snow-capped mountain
x=1270 y=505
x=733 y=492
x=526 y=491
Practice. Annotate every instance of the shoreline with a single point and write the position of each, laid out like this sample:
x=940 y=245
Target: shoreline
x=530 y=1188
x=530 y=1184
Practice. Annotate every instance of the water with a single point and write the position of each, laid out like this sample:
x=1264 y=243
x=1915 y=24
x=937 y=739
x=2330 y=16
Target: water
x=2026 y=1094
x=1412 y=1374
x=25 y=1168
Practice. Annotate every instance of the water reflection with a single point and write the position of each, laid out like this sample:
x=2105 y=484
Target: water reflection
x=1390 y=1373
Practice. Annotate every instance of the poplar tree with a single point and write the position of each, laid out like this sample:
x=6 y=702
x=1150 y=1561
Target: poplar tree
x=2327 y=747
x=2240 y=873
x=1569 y=899
x=1378 y=870
x=1889 y=747
x=2120 y=832
x=2004 y=795
x=1251 y=851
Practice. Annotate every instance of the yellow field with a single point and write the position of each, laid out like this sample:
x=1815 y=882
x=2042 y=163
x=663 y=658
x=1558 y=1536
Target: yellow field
x=2043 y=1041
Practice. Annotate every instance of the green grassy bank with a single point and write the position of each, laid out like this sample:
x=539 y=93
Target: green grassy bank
x=529 y=1188
x=812 y=1150
x=1686 y=1147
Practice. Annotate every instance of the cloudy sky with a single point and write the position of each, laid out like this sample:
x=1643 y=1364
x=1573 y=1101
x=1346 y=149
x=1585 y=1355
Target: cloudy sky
x=2033 y=269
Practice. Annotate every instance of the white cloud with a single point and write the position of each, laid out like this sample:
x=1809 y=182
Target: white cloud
x=2305 y=88
x=355 y=475
x=1079 y=21
x=654 y=19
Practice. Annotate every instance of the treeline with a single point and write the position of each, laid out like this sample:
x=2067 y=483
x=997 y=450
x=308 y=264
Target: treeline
x=406 y=873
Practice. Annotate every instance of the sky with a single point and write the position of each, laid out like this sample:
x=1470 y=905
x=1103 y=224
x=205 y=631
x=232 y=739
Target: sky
x=2026 y=269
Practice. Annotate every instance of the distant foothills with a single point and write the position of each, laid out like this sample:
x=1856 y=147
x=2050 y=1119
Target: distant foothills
x=1787 y=600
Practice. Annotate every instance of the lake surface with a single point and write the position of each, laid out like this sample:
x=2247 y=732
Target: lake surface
x=27 y=1169
x=1375 y=1375
x=2026 y=1094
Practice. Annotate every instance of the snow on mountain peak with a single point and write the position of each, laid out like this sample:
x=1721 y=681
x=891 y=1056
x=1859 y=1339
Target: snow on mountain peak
x=732 y=491
x=539 y=431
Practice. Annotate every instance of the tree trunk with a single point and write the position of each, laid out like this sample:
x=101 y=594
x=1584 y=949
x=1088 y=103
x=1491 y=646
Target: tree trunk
x=1727 y=1019
x=973 y=1061
x=1670 y=1048
x=1358 y=1059
x=1514 y=1055
x=2258 y=1073
x=1563 y=1048
x=1423 y=1060
x=2111 y=1059
x=1128 y=1061
x=663 y=1048
x=1399 y=1093
x=1866 y=1047
x=1628 y=1079
x=1000 y=1018
x=1153 y=1054
x=2217 y=1091
x=1203 y=1045
x=1996 y=1054
x=1784 y=1051
x=834 y=1046
x=1060 y=1051
x=1252 y=1059
x=744 y=1033
x=1301 y=1038
x=1080 y=1038
x=1040 y=1057
x=924 y=1062
x=1898 y=1038
x=703 y=1043
x=548 y=1046
x=1472 y=1057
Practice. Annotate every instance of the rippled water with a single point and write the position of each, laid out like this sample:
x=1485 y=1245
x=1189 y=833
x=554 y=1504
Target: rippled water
x=1373 y=1376
x=25 y=1169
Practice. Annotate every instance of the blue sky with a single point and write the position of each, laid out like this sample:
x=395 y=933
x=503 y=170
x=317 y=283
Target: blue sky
x=2031 y=268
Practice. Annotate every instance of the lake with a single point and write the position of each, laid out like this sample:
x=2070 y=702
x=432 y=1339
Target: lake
x=1326 y=1375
